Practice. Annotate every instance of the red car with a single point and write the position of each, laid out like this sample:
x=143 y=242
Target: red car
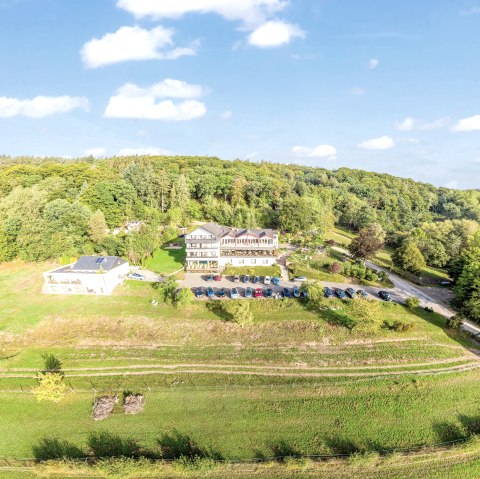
x=258 y=293
x=217 y=278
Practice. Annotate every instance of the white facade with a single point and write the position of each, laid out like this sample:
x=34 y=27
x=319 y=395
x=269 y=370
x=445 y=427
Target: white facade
x=89 y=275
x=211 y=247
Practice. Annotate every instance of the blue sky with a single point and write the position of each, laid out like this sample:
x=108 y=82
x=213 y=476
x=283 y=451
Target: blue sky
x=392 y=88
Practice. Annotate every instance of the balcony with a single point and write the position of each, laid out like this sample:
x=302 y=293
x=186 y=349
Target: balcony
x=233 y=253
x=194 y=254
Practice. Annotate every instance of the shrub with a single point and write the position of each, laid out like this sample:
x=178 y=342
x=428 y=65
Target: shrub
x=50 y=387
x=412 y=302
x=455 y=322
x=366 y=315
x=51 y=364
x=239 y=312
x=184 y=297
x=335 y=268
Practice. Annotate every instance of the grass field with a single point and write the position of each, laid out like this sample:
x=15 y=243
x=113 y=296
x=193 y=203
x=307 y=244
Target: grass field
x=166 y=261
x=294 y=379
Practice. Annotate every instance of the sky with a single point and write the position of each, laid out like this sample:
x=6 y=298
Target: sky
x=389 y=86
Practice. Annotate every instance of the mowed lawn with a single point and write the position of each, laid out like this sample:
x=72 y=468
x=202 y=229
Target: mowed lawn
x=167 y=261
x=244 y=423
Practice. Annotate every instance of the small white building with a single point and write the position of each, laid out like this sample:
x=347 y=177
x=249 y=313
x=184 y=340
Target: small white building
x=89 y=275
x=211 y=247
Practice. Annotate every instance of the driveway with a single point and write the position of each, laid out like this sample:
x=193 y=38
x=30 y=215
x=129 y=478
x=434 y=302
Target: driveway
x=150 y=276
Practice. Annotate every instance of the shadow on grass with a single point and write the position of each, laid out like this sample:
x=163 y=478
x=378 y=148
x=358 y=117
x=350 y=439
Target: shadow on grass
x=175 y=445
x=218 y=308
x=282 y=450
x=52 y=448
x=104 y=444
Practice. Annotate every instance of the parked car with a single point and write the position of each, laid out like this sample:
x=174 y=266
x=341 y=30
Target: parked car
x=296 y=292
x=276 y=281
x=268 y=293
x=246 y=278
x=199 y=293
x=286 y=293
x=210 y=292
x=248 y=293
x=340 y=293
x=304 y=293
x=236 y=279
x=300 y=279
x=351 y=292
x=267 y=280
x=234 y=294
x=256 y=280
x=259 y=293
x=328 y=292
x=221 y=293
x=209 y=277
x=218 y=277
x=362 y=293
x=136 y=276
x=385 y=295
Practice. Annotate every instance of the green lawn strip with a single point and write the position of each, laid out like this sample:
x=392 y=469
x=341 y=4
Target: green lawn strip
x=272 y=271
x=240 y=422
x=166 y=261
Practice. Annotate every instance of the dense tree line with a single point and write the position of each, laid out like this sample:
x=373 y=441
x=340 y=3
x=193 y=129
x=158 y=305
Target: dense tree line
x=56 y=207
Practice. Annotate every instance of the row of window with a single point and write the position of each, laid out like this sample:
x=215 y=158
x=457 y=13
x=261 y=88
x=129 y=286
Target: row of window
x=245 y=241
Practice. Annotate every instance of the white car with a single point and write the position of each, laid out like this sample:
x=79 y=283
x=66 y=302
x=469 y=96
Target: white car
x=300 y=279
x=136 y=276
x=267 y=280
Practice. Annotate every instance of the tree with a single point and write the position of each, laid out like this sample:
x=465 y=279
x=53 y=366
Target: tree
x=335 y=268
x=316 y=296
x=166 y=290
x=50 y=387
x=412 y=302
x=240 y=312
x=455 y=322
x=367 y=315
x=180 y=194
x=409 y=258
x=97 y=227
x=184 y=297
x=51 y=364
x=369 y=241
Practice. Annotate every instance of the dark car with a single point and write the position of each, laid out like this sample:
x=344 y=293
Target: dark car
x=286 y=293
x=209 y=277
x=259 y=293
x=210 y=292
x=199 y=293
x=384 y=295
x=351 y=292
x=340 y=293
x=362 y=293
x=256 y=280
x=246 y=278
x=234 y=294
x=236 y=279
x=296 y=293
x=248 y=293
x=268 y=293
x=218 y=277
x=328 y=292
x=304 y=293
x=276 y=281
x=221 y=293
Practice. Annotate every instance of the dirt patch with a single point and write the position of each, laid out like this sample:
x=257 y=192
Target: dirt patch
x=103 y=407
x=133 y=403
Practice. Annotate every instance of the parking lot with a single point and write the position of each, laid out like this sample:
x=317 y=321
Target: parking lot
x=198 y=280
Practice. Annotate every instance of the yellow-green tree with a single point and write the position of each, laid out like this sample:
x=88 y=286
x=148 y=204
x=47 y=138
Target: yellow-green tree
x=51 y=387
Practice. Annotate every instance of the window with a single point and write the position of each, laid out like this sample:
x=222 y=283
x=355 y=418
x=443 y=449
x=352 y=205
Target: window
x=241 y=261
x=265 y=261
x=254 y=261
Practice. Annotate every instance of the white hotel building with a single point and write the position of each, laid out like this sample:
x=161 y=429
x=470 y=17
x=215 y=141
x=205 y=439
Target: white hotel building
x=211 y=247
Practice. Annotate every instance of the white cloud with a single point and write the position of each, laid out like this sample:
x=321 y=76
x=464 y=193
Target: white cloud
x=41 y=106
x=409 y=124
x=226 y=115
x=405 y=125
x=252 y=156
x=468 y=124
x=147 y=151
x=321 y=151
x=132 y=43
x=247 y=11
x=95 y=152
x=382 y=143
x=274 y=33
x=132 y=101
x=373 y=63
x=451 y=184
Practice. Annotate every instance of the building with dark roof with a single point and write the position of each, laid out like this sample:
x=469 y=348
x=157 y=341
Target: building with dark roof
x=211 y=247
x=88 y=275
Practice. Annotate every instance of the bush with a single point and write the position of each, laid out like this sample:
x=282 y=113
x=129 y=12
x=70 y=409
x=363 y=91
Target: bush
x=335 y=268
x=50 y=387
x=51 y=364
x=184 y=297
x=412 y=302
x=366 y=314
x=239 y=312
x=455 y=322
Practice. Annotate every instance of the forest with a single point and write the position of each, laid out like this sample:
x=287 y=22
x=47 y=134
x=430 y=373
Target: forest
x=54 y=208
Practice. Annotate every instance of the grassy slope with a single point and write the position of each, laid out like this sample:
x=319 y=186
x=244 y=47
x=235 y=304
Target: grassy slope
x=166 y=261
